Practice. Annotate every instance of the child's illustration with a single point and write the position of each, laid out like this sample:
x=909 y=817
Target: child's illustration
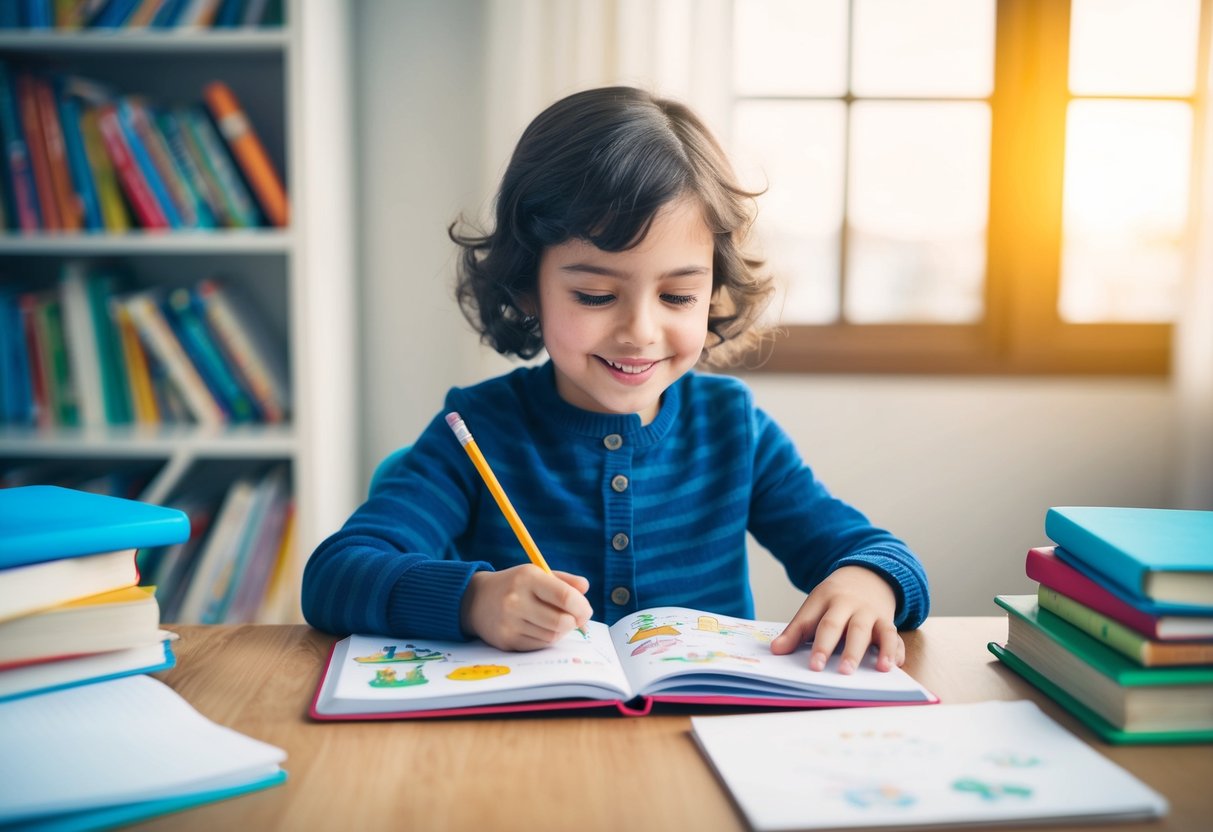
x=990 y=792
x=1012 y=759
x=389 y=653
x=664 y=630
x=385 y=677
x=884 y=795
x=709 y=657
x=656 y=646
x=477 y=672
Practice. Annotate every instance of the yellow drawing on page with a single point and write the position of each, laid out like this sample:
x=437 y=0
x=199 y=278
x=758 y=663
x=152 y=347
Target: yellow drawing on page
x=391 y=653
x=649 y=632
x=477 y=672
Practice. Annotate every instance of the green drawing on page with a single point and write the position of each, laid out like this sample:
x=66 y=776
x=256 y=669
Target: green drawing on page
x=385 y=677
x=1012 y=759
x=991 y=791
x=389 y=654
x=709 y=657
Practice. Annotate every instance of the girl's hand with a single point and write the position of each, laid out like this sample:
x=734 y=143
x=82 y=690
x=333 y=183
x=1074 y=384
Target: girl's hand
x=524 y=608
x=852 y=600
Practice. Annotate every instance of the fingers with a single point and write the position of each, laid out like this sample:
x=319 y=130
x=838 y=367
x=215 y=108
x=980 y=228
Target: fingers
x=566 y=594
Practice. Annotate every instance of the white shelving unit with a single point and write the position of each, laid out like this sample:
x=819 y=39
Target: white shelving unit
x=294 y=82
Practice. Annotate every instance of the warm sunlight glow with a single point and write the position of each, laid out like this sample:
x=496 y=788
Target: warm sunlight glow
x=1133 y=47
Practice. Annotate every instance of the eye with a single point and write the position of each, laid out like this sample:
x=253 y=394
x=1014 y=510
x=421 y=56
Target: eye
x=592 y=300
x=680 y=300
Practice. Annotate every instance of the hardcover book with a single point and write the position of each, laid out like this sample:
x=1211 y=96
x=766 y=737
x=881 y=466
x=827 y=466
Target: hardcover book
x=1161 y=554
x=1117 y=698
x=45 y=677
x=663 y=654
x=1149 y=618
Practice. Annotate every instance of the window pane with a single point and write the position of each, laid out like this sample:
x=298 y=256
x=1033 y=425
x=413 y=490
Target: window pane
x=1133 y=47
x=918 y=204
x=1126 y=209
x=790 y=47
x=796 y=150
x=923 y=48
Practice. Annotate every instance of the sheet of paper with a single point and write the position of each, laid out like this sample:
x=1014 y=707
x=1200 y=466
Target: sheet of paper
x=130 y=739
x=902 y=766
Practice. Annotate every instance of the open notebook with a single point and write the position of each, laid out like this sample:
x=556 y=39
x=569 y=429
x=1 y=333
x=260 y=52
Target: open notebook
x=664 y=654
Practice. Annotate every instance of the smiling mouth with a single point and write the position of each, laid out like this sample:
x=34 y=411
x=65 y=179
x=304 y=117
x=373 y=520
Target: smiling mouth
x=633 y=369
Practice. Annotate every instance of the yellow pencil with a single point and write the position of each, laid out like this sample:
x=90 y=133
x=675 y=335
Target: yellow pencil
x=503 y=502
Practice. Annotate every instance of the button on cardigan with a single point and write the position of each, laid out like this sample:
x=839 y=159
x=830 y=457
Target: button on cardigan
x=710 y=467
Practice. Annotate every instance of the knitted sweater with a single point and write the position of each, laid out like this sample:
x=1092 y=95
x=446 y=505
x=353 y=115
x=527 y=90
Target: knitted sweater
x=651 y=514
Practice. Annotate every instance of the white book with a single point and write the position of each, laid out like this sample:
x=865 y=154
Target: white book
x=81 y=338
x=986 y=762
x=118 y=743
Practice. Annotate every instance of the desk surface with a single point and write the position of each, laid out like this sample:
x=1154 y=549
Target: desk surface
x=552 y=772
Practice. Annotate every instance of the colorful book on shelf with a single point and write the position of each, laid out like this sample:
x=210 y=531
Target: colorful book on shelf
x=81 y=339
x=71 y=209
x=35 y=141
x=190 y=166
x=1115 y=697
x=927 y=768
x=55 y=366
x=250 y=154
x=100 y=288
x=136 y=749
x=17 y=162
x=263 y=553
x=45 y=677
x=114 y=216
x=1122 y=639
x=664 y=654
x=280 y=603
x=194 y=211
x=113 y=14
x=113 y=620
x=27 y=304
x=144 y=407
x=214 y=562
x=158 y=338
x=83 y=180
x=18 y=394
x=185 y=313
x=1160 y=554
x=1147 y=618
x=143 y=201
x=239 y=208
x=128 y=110
x=248 y=348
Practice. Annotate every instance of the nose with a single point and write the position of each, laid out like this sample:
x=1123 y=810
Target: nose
x=639 y=324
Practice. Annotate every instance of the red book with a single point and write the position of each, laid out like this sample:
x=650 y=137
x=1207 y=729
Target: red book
x=138 y=192
x=37 y=368
x=69 y=205
x=35 y=140
x=1046 y=568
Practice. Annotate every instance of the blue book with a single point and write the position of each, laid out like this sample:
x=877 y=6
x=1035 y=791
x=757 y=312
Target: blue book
x=1161 y=555
x=40 y=523
x=16 y=386
x=77 y=160
x=43 y=677
x=26 y=213
x=143 y=159
x=182 y=310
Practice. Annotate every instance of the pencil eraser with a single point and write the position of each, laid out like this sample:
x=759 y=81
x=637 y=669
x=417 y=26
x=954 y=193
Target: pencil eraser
x=453 y=419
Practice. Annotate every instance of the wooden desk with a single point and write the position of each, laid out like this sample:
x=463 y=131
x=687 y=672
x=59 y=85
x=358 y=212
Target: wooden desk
x=554 y=772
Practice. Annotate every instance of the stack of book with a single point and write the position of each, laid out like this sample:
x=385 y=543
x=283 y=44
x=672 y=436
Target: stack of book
x=1120 y=631
x=91 y=741
x=71 y=610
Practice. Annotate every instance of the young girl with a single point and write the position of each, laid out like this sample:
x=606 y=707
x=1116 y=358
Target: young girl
x=619 y=248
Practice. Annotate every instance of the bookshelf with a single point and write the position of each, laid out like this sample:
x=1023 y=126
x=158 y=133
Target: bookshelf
x=293 y=81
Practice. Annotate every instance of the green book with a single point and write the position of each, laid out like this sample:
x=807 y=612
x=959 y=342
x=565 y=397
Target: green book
x=1117 y=698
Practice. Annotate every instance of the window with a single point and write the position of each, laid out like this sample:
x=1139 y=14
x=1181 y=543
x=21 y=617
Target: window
x=983 y=186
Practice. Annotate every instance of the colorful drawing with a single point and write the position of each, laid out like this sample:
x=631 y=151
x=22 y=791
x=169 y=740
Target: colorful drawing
x=388 y=654
x=657 y=646
x=884 y=795
x=991 y=791
x=649 y=632
x=477 y=672
x=709 y=657
x=1012 y=759
x=385 y=677
x=708 y=623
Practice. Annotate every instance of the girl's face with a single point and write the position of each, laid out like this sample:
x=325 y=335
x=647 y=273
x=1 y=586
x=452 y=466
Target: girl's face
x=622 y=326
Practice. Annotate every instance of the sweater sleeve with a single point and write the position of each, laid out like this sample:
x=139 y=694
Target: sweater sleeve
x=813 y=533
x=384 y=571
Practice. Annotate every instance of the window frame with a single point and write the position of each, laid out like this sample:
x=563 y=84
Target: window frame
x=1021 y=332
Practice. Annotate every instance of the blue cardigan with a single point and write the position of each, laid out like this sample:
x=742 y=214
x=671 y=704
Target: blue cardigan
x=652 y=515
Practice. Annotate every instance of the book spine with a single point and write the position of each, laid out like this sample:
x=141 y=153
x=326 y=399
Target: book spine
x=114 y=217
x=115 y=393
x=208 y=205
x=179 y=194
x=71 y=210
x=250 y=154
x=81 y=172
x=1048 y=569
x=127 y=121
x=143 y=14
x=142 y=399
x=81 y=341
x=241 y=210
x=136 y=188
x=250 y=361
x=62 y=391
x=15 y=370
x=38 y=368
x=31 y=121
x=16 y=153
x=157 y=335
x=204 y=355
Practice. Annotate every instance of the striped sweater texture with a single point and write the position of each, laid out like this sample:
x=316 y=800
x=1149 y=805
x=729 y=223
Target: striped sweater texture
x=651 y=514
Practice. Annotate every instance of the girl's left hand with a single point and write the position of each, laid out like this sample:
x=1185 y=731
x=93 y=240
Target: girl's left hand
x=854 y=601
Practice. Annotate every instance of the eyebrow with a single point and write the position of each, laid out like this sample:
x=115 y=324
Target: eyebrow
x=589 y=268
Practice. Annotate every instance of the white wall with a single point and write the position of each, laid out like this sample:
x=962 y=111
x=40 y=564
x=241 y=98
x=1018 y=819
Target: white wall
x=962 y=468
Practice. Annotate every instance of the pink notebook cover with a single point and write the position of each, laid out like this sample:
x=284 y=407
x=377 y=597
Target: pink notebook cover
x=641 y=706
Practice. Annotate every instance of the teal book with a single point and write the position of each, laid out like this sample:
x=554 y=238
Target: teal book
x=1158 y=554
x=1117 y=698
x=40 y=523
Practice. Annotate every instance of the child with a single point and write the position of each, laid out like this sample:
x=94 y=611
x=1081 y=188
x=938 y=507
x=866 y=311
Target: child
x=618 y=248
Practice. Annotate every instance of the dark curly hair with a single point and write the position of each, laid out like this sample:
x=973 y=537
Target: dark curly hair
x=598 y=166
